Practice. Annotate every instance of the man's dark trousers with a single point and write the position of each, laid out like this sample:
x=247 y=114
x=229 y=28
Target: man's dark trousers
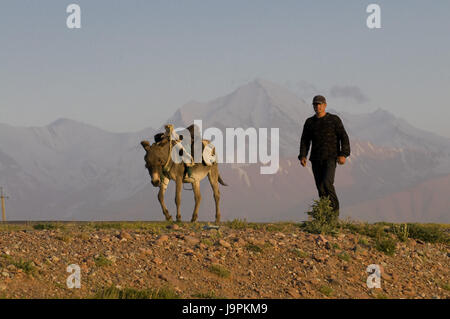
x=324 y=171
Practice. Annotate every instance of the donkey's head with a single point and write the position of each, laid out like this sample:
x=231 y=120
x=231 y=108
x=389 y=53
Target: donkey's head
x=155 y=158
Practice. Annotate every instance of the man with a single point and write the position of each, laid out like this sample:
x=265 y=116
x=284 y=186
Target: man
x=330 y=144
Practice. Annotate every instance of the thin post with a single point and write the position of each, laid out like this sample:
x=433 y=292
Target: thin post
x=2 y=197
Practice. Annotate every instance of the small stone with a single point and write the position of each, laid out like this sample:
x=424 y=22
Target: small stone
x=191 y=240
x=125 y=235
x=239 y=242
x=11 y=267
x=5 y=274
x=54 y=259
x=157 y=260
x=162 y=238
x=224 y=243
x=273 y=242
x=321 y=239
x=145 y=251
x=319 y=258
x=173 y=226
x=112 y=258
x=163 y=277
x=293 y=292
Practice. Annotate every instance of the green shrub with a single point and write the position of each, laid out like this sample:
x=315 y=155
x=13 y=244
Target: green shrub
x=401 y=231
x=219 y=270
x=430 y=233
x=46 y=226
x=386 y=245
x=327 y=291
x=323 y=220
x=363 y=242
x=237 y=223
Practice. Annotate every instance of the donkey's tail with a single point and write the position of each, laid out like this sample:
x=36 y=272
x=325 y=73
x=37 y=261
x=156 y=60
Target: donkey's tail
x=221 y=181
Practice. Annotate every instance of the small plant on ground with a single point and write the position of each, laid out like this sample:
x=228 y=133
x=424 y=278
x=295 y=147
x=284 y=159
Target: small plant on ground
x=26 y=265
x=430 y=233
x=132 y=293
x=237 y=223
x=446 y=286
x=363 y=242
x=46 y=226
x=219 y=270
x=101 y=261
x=282 y=227
x=323 y=219
x=300 y=253
x=401 y=231
x=381 y=296
x=344 y=256
x=327 y=291
x=386 y=245
x=206 y=242
x=254 y=248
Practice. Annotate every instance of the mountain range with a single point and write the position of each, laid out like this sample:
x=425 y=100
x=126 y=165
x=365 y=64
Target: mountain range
x=69 y=170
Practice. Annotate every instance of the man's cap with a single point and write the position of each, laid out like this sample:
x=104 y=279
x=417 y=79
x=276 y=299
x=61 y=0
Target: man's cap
x=319 y=99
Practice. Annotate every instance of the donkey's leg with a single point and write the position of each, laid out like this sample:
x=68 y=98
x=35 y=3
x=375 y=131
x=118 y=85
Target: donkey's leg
x=179 y=184
x=162 y=190
x=198 y=198
x=213 y=180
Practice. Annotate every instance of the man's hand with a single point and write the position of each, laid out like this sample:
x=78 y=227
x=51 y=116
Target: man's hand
x=341 y=160
x=302 y=161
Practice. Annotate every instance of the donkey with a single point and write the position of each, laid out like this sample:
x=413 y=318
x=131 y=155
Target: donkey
x=157 y=159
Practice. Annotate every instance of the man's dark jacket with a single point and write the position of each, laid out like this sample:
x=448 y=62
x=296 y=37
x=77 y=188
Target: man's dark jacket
x=328 y=136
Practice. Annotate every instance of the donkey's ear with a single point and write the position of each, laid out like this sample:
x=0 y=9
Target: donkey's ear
x=145 y=144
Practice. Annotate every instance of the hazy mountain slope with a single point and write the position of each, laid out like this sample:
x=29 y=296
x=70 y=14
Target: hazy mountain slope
x=70 y=170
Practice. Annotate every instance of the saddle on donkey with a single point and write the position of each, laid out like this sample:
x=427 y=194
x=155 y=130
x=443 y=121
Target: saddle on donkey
x=186 y=149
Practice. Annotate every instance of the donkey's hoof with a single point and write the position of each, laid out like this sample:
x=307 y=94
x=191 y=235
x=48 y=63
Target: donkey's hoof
x=169 y=218
x=193 y=220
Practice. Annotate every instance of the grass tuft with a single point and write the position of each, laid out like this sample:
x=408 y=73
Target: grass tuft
x=386 y=245
x=254 y=248
x=219 y=270
x=327 y=291
x=132 y=293
x=101 y=261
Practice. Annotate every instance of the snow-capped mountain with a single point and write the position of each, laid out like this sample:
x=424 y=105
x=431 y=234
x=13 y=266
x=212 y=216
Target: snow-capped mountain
x=68 y=170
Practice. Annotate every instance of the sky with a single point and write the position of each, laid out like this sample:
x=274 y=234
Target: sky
x=134 y=63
